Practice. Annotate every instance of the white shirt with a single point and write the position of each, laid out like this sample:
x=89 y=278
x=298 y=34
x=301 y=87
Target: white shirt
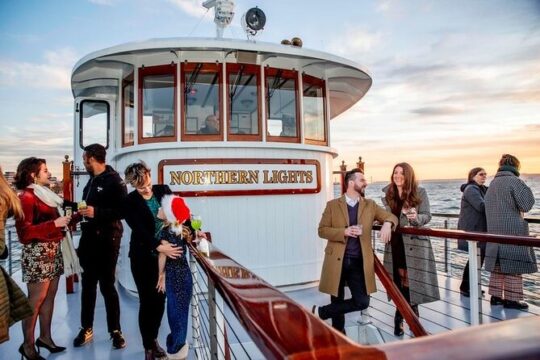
x=351 y=202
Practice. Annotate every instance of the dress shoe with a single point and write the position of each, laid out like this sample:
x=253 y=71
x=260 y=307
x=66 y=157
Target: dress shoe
x=415 y=310
x=467 y=293
x=52 y=349
x=24 y=355
x=315 y=310
x=520 y=305
x=495 y=300
x=149 y=354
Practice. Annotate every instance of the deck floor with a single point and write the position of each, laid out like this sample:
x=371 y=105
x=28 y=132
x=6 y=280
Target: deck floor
x=450 y=313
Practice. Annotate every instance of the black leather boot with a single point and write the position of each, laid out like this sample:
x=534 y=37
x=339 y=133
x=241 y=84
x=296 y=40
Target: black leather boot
x=398 y=324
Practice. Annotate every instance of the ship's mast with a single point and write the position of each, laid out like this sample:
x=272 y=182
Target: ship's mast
x=223 y=14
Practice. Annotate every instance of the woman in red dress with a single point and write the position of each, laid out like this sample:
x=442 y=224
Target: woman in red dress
x=40 y=232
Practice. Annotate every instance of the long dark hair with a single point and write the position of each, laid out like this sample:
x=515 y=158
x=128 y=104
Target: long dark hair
x=25 y=169
x=409 y=194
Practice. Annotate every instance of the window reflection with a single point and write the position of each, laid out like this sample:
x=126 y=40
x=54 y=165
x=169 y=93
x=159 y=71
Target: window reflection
x=243 y=101
x=281 y=103
x=201 y=99
x=129 y=115
x=94 y=123
x=158 y=106
x=314 y=113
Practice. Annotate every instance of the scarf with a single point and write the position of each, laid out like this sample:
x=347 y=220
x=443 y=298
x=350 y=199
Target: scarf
x=512 y=169
x=71 y=260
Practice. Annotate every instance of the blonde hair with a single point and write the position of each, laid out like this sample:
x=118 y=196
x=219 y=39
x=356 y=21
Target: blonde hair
x=136 y=173
x=8 y=198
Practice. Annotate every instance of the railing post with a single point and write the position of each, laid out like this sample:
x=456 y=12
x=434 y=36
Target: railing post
x=446 y=248
x=10 y=257
x=217 y=338
x=195 y=313
x=473 y=281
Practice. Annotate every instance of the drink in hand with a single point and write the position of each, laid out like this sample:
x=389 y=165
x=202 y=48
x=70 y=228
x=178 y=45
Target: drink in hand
x=196 y=222
x=81 y=205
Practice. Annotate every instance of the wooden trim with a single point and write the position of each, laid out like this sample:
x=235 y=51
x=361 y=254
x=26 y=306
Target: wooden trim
x=252 y=70
x=156 y=70
x=314 y=80
x=127 y=81
x=164 y=162
x=287 y=74
x=186 y=67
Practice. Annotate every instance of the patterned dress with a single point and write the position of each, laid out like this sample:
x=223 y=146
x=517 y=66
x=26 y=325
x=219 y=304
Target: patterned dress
x=41 y=258
x=178 y=288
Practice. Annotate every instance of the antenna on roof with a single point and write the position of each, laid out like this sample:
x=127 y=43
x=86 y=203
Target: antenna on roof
x=223 y=14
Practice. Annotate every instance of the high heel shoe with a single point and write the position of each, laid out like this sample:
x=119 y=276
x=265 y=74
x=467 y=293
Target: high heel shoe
x=25 y=356
x=52 y=349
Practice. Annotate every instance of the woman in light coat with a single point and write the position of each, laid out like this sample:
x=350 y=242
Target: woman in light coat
x=409 y=258
x=472 y=217
x=507 y=199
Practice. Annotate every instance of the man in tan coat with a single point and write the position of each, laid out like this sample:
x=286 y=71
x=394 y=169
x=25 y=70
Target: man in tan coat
x=346 y=223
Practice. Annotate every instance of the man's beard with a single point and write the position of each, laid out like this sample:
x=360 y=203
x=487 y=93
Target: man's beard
x=360 y=190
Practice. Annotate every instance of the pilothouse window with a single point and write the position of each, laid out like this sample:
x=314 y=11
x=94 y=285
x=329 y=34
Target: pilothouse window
x=157 y=89
x=282 y=105
x=94 y=123
x=314 y=110
x=202 y=102
x=128 y=114
x=243 y=102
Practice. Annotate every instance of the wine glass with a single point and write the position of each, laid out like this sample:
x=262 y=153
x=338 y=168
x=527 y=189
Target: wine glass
x=81 y=205
x=68 y=212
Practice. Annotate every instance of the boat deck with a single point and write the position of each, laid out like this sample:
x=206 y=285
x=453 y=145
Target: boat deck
x=440 y=316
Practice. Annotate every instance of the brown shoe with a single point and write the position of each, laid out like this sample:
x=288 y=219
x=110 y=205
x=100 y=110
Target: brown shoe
x=149 y=354
x=159 y=352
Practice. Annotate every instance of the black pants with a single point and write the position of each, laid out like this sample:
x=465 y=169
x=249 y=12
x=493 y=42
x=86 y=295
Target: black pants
x=151 y=302
x=99 y=270
x=465 y=286
x=352 y=275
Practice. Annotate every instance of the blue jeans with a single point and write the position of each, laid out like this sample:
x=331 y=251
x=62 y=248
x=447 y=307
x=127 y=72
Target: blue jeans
x=352 y=274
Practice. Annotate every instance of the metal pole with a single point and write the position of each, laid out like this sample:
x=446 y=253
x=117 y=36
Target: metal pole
x=195 y=312
x=473 y=280
x=446 y=248
x=10 y=258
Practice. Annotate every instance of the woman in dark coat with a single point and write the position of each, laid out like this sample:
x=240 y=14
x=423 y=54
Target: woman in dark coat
x=472 y=217
x=140 y=212
x=507 y=199
x=409 y=258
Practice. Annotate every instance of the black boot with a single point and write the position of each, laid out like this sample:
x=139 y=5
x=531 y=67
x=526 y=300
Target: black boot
x=398 y=324
x=415 y=310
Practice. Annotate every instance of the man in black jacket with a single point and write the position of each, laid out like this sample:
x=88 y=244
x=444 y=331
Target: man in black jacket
x=100 y=244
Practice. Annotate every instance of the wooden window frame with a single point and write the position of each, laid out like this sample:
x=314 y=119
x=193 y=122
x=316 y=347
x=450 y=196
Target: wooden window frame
x=170 y=69
x=206 y=68
x=251 y=70
x=126 y=82
x=289 y=74
x=317 y=81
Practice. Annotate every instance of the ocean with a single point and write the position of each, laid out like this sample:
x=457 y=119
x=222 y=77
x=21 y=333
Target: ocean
x=445 y=198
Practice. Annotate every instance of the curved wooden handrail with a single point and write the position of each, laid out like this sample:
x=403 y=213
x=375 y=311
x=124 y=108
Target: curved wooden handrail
x=399 y=300
x=283 y=329
x=471 y=235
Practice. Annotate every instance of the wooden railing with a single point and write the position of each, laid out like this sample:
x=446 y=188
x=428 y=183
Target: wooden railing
x=281 y=328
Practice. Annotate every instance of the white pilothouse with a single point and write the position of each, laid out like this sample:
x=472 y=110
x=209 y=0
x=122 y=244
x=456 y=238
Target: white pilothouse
x=240 y=128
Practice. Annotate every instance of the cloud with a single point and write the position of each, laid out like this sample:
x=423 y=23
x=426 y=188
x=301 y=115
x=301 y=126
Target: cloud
x=54 y=73
x=190 y=7
x=437 y=111
x=355 y=40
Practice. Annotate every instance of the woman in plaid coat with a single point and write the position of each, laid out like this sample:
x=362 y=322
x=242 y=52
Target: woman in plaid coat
x=507 y=199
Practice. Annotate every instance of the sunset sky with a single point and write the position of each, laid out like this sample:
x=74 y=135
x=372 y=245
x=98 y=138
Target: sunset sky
x=455 y=83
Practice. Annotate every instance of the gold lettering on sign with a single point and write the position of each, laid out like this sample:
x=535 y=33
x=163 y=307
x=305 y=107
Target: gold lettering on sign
x=220 y=177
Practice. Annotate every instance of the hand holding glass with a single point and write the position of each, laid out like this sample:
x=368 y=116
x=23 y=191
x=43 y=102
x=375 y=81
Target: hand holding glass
x=68 y=212
x=81 y=205
x=196 y=222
